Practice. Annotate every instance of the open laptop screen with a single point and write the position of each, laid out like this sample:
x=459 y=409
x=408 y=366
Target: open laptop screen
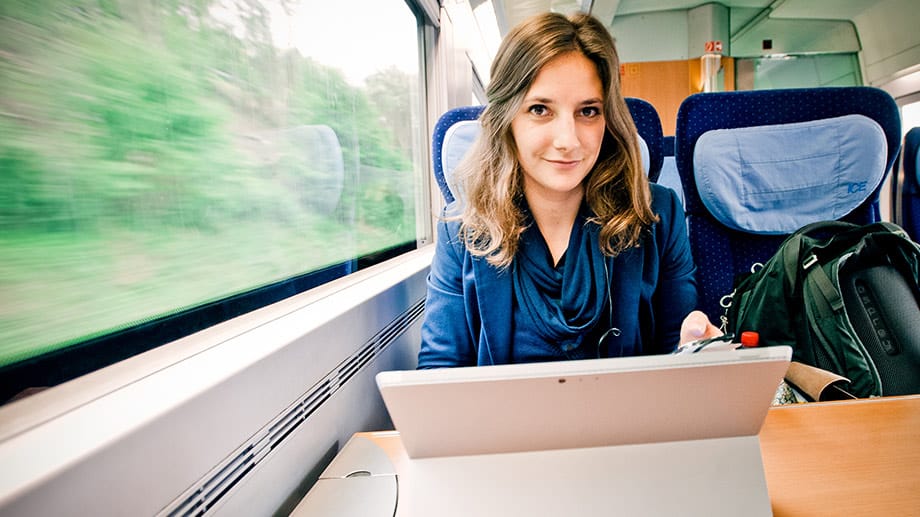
x=589 y=403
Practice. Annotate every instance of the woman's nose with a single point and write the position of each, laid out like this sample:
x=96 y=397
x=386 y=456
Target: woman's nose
x=564 y=136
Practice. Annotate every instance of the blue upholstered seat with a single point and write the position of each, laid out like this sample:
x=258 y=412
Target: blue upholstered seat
x=456 y=130
x=648 y=124
x=910 y=185
x=767 y=162
x=453 y=134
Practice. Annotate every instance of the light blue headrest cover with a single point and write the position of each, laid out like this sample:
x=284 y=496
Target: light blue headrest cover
x=459 y=138
x=646 y=156
x=776 y=179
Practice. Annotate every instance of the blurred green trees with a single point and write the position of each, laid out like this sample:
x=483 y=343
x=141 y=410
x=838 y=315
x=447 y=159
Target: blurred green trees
x=164 y=153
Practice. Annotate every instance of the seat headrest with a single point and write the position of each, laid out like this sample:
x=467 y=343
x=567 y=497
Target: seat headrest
x=459 y=135
x=775 y=179
x=457 y=141
x=646 y=155
x=648 y=125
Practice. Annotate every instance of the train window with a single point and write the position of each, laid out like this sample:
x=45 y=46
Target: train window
x=168 y=165
x=910 y=116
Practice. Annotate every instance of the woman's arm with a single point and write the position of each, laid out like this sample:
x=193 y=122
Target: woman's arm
x=676 y=294
x=447 y=339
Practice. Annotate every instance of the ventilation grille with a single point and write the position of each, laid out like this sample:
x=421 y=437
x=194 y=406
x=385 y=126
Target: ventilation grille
x=219 y=481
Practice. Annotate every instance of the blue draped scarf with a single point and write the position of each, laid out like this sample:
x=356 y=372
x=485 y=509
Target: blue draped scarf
x=561 y=304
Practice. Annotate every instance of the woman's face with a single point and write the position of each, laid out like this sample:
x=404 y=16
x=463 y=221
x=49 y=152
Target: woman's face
x=560 y=127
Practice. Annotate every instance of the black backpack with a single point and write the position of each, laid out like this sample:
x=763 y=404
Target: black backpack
x=845 y=298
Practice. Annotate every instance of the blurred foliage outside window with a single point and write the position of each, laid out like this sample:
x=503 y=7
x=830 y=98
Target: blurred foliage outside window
x=159 y=154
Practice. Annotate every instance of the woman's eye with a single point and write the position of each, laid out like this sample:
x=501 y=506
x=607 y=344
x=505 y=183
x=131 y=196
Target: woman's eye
x=538 y=109
x=590 y=111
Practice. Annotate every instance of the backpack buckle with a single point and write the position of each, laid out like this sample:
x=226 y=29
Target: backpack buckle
x=810 y=260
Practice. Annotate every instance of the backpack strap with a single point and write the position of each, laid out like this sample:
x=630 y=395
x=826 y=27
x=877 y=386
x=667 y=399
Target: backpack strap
x=824 y=284
x=792 y=247
x=841 y=231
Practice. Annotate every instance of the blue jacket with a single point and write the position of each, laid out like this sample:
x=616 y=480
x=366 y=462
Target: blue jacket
x=468 y=308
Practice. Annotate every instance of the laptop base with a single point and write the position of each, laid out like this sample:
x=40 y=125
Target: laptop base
x=710 y=477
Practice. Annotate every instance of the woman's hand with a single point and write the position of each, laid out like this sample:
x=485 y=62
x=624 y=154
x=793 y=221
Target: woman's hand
x=697 y=326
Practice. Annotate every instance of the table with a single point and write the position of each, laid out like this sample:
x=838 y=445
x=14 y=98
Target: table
x=859 y=457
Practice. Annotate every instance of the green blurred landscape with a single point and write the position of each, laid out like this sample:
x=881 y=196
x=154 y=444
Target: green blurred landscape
x=154 y=156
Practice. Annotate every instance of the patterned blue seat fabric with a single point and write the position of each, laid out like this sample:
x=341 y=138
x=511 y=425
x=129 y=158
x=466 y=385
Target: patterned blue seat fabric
x=648 y=124
x=723 y=251
x=457 y=128
x=910 y=185
x=453 y=135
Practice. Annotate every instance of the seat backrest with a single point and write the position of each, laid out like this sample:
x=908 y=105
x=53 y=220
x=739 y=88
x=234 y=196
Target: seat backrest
x=910 y=185
x=456 y=130
x=453 y=135
x=648 y=124
x=757 y=165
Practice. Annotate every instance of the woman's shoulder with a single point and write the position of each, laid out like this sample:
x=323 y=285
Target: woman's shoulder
x=449 y=219
x=664 y=199
x=667 y=206
x=449 y=227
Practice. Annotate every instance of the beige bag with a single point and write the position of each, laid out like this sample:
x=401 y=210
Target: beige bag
x=816 y=385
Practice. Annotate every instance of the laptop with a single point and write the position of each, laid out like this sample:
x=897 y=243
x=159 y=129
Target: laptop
x=649 y=435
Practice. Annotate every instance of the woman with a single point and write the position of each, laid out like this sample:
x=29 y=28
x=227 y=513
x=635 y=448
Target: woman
x=559 y=247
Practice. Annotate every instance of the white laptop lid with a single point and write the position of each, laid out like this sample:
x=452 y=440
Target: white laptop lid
x=589 y=403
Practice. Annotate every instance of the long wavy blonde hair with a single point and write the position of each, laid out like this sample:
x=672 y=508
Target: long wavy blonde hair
x=491 y=178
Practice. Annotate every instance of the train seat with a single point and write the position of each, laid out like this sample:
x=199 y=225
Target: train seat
x=757 y=165
x=454 y=133
x=910 y=185
x=456 y=130
x=648 y=124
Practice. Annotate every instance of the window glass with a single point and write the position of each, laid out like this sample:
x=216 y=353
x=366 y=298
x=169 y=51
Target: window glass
x=158 y=156
x=910 y=117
